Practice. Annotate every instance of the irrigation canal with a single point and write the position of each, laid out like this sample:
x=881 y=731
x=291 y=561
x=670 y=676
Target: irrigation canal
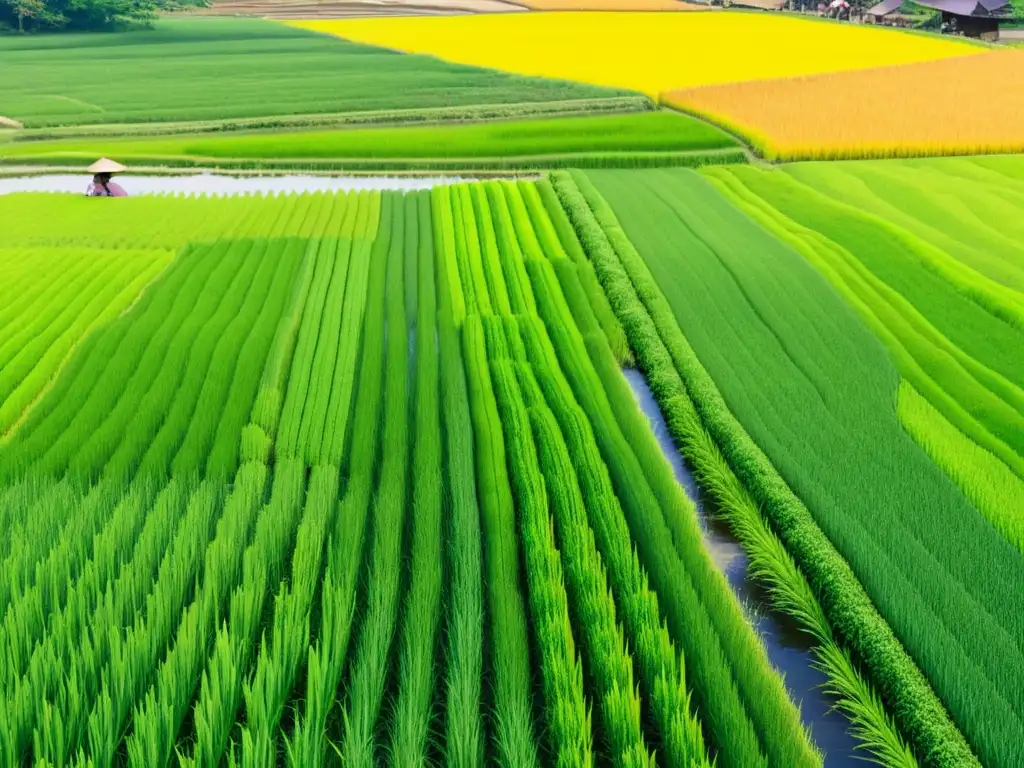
x=218 y=185
x=789 y=649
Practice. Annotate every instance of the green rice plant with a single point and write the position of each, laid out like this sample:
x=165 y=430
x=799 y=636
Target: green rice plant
x=176 y=680
x=145 y=639
x=269 y=685
x=40 y=529
x=715 y=629
x=221 y=687
x=228 y=388
x=140 y=531
x=373 y=652
x=413 y=728
x=559 y=239
x=266 y=409
x=464 y=738
x=592 y=605
x=917 y=711
x=566 y=711
x=490 y=255
x=987 y=482
x=75 y=406
x=508 y=637
x=149 y=442
x=447 y=252
x=944 y=340
x=153 y=384
x=467 y=240
x=677 y=732
x=660 y=131
x=335 y=435
x=310 y=436
x=287 y=440
x=519 y=294
x=327 y=655
x=225 y=448
x=39 y=358
x=37 y=648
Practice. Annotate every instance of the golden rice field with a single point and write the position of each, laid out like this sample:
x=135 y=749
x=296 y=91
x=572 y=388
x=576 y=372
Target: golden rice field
x=968 y=105
x=648 y=52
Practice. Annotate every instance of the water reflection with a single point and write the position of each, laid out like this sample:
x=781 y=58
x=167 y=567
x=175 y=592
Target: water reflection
x=213 y=184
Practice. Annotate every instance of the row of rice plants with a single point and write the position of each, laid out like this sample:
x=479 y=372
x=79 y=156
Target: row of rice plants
x=850 y=612
x=759 y=702
x=527 y=272
x=508 y=635
x=413 y=731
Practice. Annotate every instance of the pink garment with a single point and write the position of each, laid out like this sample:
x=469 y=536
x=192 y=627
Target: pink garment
x=113 y=190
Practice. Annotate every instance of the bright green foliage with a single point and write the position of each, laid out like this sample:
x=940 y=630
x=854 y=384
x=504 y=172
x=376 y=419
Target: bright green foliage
x=355 y=476
x=986 y=481
x=849 y=611
x=464 y=742
x=370 y=663
x=618 y=139
x=566 y=712
x=205 y=69
x=413 y=725
x=570 y=246
x=510 y=660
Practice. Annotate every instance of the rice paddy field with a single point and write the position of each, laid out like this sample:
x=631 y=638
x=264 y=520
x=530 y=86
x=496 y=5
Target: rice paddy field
x=195 y=70
x=438 y=471
x=649 y=52
x=957 y=106
x=631 y=139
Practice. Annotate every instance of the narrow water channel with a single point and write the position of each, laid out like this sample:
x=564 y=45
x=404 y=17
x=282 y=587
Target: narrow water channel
x=788 y=648
x=218 y=185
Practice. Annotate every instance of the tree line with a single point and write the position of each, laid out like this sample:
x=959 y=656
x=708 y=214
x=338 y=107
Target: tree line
x=82 y=15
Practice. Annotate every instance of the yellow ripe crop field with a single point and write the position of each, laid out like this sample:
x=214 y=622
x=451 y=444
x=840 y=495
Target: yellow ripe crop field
x=969 y=105
x=648 y=52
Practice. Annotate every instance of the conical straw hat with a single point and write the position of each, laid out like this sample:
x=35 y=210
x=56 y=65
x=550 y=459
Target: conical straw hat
x=106 y=165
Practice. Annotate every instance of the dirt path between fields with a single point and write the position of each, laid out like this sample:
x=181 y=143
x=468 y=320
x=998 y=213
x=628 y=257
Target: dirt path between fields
x=6 y=122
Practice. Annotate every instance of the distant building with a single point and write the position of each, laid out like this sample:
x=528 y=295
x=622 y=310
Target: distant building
x=971 y=18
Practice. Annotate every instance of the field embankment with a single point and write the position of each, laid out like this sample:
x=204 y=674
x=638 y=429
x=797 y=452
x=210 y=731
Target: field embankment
x=960 y=106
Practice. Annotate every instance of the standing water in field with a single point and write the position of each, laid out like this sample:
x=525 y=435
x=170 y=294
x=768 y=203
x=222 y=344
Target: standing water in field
x=789 y=649
x=211 y=184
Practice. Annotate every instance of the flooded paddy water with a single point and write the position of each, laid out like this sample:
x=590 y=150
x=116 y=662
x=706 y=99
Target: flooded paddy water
x=789 y=649
x=219 y=185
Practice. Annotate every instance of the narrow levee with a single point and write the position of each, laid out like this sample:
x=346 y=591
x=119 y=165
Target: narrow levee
x=789 y=649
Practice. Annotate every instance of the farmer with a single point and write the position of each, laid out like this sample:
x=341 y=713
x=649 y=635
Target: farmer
x=101 y=186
